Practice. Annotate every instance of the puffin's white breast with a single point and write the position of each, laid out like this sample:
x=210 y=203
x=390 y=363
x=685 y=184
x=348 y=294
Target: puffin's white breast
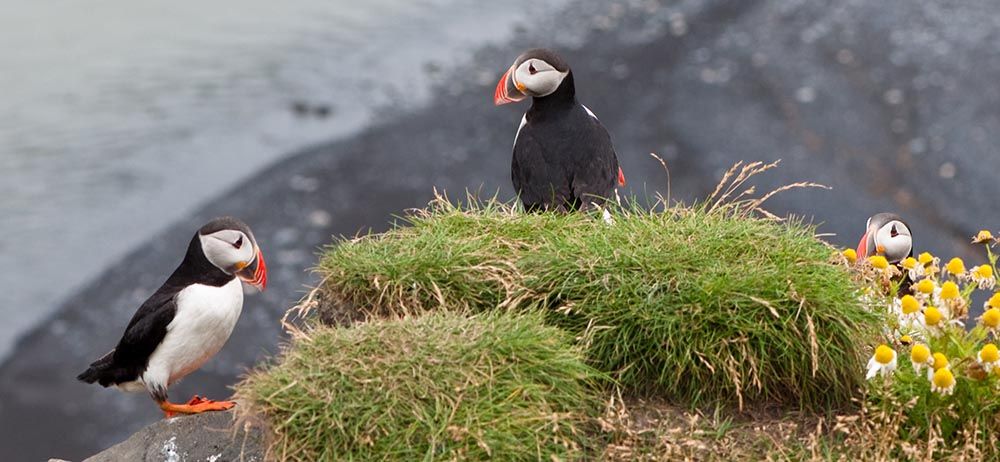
x=204 y=320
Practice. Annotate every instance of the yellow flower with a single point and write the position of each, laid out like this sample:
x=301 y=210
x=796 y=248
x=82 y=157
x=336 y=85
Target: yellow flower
x=909 y=305
x=994 y=301
x=912 y=266
x=879 y=262
x=956 y=266
x=932 y=317
x=884 y=354
x=920 y=357
x=989 y=353
x=989 y=357
x=925 y=286
x=883 y=362
x=940 y=361
x=984 y=237
x=920 y=354
x=925 y=258
x=905 y=339
x=983 y=277
x=949 y=300
x=949 y=290
x=850 y=255
x=943 y=382
x=991 y=318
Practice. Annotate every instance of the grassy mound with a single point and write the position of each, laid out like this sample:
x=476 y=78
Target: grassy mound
x=696 y=305
x=442 y=386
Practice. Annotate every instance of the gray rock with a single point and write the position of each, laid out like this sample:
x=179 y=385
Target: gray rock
x=209 y=437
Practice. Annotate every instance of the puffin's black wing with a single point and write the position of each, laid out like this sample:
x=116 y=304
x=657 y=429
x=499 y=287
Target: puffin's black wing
x=539 y=174
x=594 y=177
x=563 y=161
x=144 y=333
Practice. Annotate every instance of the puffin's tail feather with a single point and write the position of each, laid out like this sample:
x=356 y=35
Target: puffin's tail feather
x=102 y=371
x=90 y=375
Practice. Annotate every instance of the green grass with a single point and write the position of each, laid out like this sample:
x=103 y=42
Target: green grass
x=439 y=387
x=699 y=306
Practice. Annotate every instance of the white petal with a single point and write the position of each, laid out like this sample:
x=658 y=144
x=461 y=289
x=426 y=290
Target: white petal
x=873 y=367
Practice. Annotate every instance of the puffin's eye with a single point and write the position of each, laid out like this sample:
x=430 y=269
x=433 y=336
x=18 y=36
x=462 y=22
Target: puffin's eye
x=531 y=69
x=893 y=231
x=238 y=243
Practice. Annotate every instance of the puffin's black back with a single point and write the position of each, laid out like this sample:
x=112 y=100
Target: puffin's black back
x=148 y=326
x=563 y=156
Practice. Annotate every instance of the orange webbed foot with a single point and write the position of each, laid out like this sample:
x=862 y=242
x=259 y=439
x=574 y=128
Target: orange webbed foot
x=196 y=405
x=198 y=399
x=210 y=405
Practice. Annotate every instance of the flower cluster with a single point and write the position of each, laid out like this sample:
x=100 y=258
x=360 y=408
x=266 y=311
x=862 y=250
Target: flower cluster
x=927 y=306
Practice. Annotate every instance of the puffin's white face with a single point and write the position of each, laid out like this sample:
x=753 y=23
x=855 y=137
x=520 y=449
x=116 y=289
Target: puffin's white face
x=893 y=241
x=537 y=78
x=229 y=250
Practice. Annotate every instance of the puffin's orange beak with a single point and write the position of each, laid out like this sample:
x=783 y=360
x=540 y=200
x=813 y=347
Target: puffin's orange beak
x=507 y=91
x=863 y=246
x=255 y=273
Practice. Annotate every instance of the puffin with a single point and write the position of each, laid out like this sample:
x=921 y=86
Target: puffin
x=888 y=235
x=188 y=319
x=563 y=158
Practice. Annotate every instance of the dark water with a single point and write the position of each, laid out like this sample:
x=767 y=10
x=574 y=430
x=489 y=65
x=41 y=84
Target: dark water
x=118 y=117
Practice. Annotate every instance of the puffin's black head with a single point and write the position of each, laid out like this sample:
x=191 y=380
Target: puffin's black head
x=537 y=72
x=229 y=245
x=886 y=234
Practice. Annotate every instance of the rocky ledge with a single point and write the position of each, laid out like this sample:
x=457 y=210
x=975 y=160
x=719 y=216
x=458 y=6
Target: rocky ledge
x=209 y=437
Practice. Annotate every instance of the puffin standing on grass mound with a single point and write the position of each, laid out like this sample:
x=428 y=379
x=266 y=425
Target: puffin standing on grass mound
x=563 y=156
x=188 y=319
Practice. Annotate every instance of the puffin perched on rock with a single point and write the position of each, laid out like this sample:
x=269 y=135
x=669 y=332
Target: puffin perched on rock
x=563 y=156
x=888 y=235
x=188 y=319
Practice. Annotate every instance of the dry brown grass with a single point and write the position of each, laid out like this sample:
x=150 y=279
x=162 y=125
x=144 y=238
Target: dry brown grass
x=646 y=431
x=731 y=195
